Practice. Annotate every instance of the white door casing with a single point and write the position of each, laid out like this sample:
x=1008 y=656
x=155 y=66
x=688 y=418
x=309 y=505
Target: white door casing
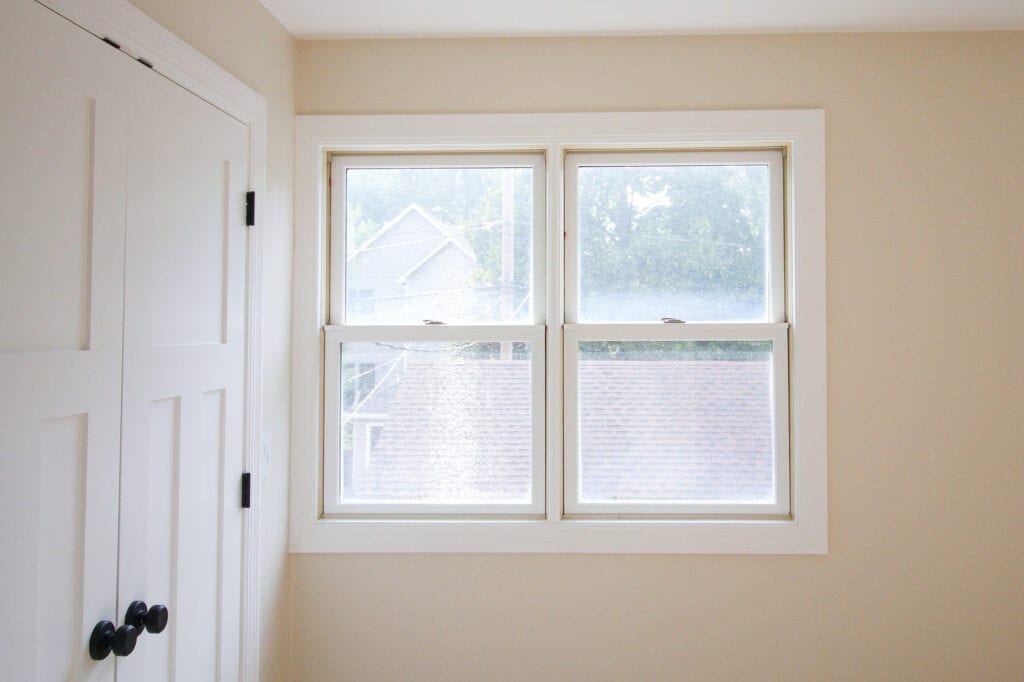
x=87 y=138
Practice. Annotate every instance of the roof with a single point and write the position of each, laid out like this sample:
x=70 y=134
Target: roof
x=654 y=430
x=450 y=235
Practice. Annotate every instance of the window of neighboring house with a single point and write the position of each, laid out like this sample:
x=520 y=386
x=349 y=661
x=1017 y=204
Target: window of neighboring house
x=362 y=301
x=613 y=344
x=373 y=435
x=359 y=380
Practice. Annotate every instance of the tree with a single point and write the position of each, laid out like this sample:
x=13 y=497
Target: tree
x=654 y=241
x=682 y=241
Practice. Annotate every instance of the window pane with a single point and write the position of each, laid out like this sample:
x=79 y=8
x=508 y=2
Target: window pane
x=676 y=421
x=450 y=244
x=687 y=242
x=437 y=422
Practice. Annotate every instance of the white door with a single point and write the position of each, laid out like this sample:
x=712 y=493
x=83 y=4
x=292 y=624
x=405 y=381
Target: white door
x=182 y=459
x=62 y=203
x=109 y=495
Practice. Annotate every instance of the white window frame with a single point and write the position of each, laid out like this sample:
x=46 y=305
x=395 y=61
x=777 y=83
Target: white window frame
x=772 y=328
x=341 y=331
x=799 y=133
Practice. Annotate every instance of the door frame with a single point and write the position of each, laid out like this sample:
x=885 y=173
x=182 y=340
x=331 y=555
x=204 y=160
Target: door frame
x=142 y=38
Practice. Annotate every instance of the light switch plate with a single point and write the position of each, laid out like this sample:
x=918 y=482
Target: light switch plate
x=264 y=454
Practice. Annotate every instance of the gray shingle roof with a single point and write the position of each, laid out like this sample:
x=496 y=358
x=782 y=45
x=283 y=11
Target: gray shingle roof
x=456 y=428
x=662 y=430
x=651 y=430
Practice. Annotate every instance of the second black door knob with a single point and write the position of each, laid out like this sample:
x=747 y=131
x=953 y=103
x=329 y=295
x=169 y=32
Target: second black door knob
x=152 y=618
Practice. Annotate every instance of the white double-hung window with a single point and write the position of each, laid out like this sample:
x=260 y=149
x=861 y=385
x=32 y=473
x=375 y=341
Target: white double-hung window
x=676 y=343
x=434 y=361
x=596 y=333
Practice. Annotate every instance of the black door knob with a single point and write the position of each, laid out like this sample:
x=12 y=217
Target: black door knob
x=153 y=618
x=106 y=639
x=125 y=638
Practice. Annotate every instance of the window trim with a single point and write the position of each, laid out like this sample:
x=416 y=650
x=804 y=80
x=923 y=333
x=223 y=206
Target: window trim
x=800 y=133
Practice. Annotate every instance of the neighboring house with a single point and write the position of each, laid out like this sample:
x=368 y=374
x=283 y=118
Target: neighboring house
x=463 y=428
x=412 y=268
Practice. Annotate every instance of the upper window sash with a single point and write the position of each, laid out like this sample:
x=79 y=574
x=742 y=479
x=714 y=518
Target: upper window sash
x=340 y=241
x=775 y=259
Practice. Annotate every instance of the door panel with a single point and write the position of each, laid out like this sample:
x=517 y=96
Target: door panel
x=44 y=121
x=60 y=512
x=63 y=109
x=188 y=261
x=181 y=522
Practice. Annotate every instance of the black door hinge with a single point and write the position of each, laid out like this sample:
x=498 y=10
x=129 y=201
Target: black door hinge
x=246 y=490
x=250 y=209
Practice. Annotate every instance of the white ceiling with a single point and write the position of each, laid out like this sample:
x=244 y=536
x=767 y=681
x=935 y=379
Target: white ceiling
x=471 y=18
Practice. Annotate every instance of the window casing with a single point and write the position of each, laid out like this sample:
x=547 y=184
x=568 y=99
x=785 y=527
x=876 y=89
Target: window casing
x=557 y=517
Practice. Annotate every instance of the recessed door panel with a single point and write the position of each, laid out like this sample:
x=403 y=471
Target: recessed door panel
x=157 y=476
x=199 y=559
x=46 y=187
x=60 y=513
x=187 y=230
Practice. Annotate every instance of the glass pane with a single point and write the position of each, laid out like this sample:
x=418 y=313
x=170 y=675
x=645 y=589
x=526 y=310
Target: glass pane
x=687 y=242
x=436 y=422
x=450 y=244
x=676 y=421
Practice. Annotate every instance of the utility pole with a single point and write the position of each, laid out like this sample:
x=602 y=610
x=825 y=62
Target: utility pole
x=507 y=254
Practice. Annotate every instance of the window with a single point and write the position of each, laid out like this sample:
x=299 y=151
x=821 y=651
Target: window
x=447 y=244
x=362 y=302
x=358 y=381
x=568 y=333
x=675 y=341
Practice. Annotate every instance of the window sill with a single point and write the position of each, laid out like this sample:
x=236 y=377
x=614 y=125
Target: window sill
x=569 y=536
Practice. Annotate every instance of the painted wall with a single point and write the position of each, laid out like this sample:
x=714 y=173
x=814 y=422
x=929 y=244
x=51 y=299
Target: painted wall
x=243 y=38
x=925 y=577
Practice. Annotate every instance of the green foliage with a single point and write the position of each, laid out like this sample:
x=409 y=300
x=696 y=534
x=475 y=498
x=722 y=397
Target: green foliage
x=679 y=241
x=697 y=232
x=675 y=350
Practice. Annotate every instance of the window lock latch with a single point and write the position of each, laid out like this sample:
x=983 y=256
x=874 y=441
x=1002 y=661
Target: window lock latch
x=432 y=322
x=672 y=320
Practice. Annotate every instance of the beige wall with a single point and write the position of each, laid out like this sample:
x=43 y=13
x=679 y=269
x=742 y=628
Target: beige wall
x=925 y=577
x=243 y=38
